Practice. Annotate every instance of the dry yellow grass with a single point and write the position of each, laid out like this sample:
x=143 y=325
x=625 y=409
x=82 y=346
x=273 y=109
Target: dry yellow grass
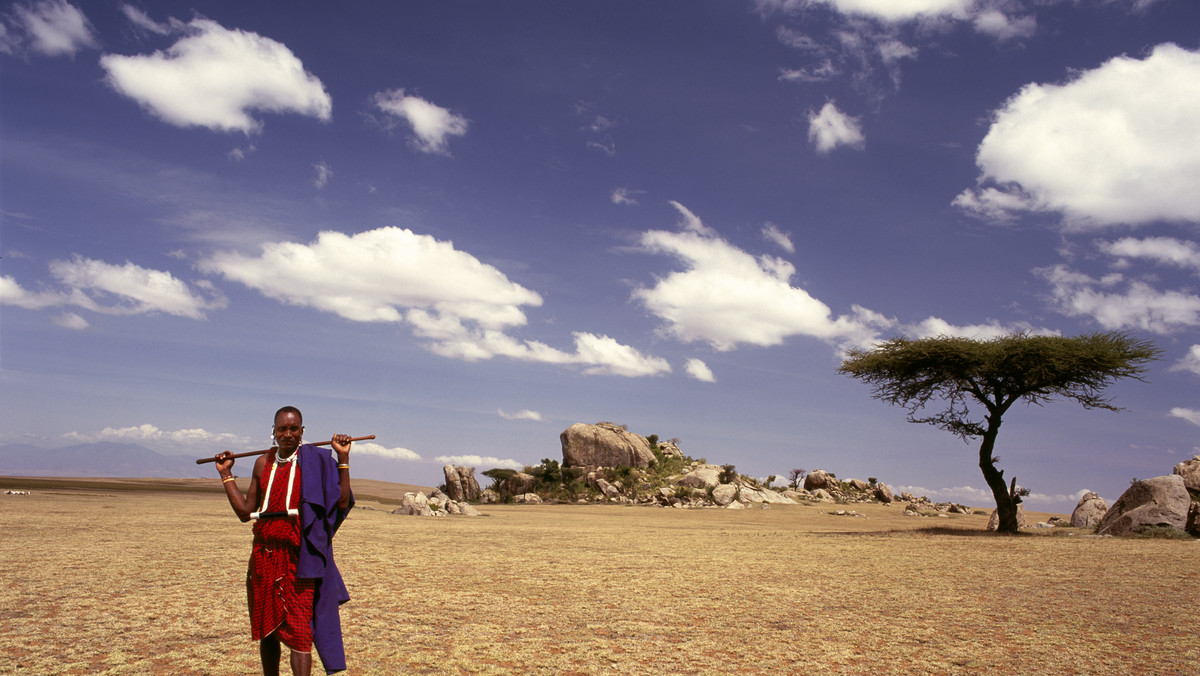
x=110 y=581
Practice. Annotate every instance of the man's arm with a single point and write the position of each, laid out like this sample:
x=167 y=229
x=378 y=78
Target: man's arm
x=341 y=445
x=242 y=506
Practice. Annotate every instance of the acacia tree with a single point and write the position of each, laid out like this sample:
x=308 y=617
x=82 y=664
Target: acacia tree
x=995 y=374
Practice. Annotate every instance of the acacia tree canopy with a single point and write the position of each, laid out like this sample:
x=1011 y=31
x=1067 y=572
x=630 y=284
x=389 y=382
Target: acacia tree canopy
x=967 y=375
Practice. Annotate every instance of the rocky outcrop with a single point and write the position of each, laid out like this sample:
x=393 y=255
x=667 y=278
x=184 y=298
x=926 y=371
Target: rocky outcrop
x=1161 y=501
x=883 y=493
x=517 y=484
x=724 y=494
x=701 y=476
x=461 y=485
x=435 y=504
x=670 y=449
x=819 y=479
x=604 y=445
x=1088 y=511
x=1190 y=471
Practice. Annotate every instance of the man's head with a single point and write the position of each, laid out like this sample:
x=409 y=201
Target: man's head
x=288 y=429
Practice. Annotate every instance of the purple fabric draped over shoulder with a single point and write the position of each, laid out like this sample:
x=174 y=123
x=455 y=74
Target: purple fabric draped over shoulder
x=319 y=520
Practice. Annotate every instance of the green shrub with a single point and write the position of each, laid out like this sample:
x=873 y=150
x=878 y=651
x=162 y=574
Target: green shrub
x=1163 y=532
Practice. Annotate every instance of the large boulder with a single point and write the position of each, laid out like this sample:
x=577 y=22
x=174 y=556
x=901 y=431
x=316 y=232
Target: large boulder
x=604 y=445
x=883 y=493
x=1088 y=511
x=724 y=494
x=1190 y=471
x=819 y=479
x=670 y=449
x=702 y=476
x=1193 y=521
x=460 y=483
x=763 y=496
x=518 y=484
x=1161 y=501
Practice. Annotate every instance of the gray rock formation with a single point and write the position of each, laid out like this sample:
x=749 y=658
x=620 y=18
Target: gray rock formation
x=604 y=445
x=1161 y=501
x=1088 y=511
x=1190 y=471
x=724 y=494
x=460 y=483
x=702 y=476
x=517 y=484
x=883 y=493
x=819 y=479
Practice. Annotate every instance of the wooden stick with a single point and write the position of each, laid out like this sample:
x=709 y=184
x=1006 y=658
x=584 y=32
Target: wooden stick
x=247 y=454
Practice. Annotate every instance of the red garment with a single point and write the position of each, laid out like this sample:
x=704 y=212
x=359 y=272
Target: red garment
x=276 y=597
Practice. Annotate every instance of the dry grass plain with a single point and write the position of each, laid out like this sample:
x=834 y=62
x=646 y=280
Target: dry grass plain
x=127 y=578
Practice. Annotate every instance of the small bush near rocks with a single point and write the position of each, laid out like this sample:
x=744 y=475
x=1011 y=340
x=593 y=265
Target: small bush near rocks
x=1162 y=533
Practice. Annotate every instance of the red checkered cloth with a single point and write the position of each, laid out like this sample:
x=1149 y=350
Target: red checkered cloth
x=276 y=598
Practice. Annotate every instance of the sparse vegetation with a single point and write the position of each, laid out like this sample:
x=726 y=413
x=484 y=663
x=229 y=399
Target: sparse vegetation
x=560 y=590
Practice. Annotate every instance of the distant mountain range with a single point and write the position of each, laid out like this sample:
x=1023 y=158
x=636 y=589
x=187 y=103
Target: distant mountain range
x=101 y=459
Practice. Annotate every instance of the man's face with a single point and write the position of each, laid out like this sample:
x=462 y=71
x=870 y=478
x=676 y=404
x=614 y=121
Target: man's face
x=288 y=431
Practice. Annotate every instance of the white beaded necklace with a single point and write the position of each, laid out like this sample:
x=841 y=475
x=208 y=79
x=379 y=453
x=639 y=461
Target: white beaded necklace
x=271 y=481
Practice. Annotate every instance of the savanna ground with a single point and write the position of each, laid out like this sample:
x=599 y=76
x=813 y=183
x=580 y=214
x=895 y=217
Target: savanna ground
x=110 y=577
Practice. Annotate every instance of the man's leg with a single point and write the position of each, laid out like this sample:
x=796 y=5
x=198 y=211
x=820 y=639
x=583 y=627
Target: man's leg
x=268 y=651
x=301 y=664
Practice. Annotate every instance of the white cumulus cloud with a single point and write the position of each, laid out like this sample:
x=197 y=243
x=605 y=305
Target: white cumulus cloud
x=215 y=77
x=152 y=434
x=432 y=125
x=699 y=370
x=46 y=28
x=772 y=233
x=1118 y=303
x=726 y=297
x=1190 y=361
x=487 y=461
x=831 y=128
x=115 y=290
x=1115 y=144
x=1162 y=250
x=381 y=451
x=1189 y=414
x=459 y=304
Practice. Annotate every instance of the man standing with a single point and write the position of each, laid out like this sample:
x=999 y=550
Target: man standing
x=298 y=497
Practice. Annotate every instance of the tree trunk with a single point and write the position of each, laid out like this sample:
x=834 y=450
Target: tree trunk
x=1006 y=503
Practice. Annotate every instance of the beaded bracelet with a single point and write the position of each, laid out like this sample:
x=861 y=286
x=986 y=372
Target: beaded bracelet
x=343 y=466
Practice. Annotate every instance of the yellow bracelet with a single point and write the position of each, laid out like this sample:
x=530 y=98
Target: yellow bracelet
x=228 y=479
x=343 y=466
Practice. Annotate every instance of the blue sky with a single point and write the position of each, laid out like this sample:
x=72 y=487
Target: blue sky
x=464 y=226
